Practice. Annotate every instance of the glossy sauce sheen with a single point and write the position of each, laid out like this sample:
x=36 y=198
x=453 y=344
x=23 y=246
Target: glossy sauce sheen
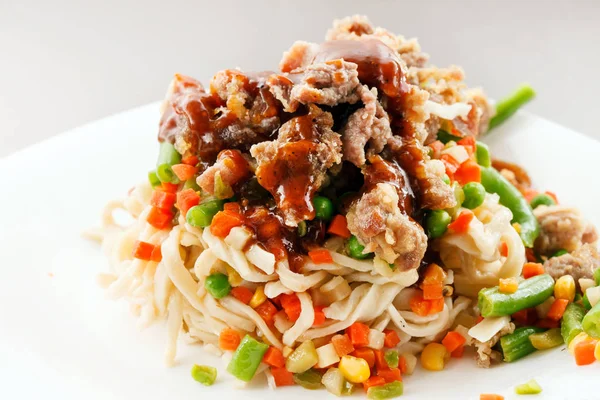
x=381 y=171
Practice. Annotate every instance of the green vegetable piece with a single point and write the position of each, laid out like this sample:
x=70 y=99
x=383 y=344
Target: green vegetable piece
x=531 y=387
x=482 y=155
x=310 y=379
x=510 y=197
x=323 y=208
x=559 y=253
x=204 y=374
x=547 y=340
x=597 y=276
x=446 y=137
x=153 y=178
x=302 y=228
x=508 y=106
x=392 y=358
x=303 y=358
x=247 y=358
x=217 y=285
x=348 y=388
x=437 y=222
x=585 y=301
x=202 y=215
x=474 y=195
x=591 y=322
x=517 y=344
x=531 y=292
x=355 y=249
x=222 y=190
x=446 y=179
x=541 y=200
x=191 y=184
x=387 y=391
x=570 y=325
x=167 y=157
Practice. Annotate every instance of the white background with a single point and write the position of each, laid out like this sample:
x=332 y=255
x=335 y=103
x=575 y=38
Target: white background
x=64 y=63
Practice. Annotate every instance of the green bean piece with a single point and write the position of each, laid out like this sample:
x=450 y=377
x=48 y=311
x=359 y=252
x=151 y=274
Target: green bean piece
x=591 y=322
x=531 y=387
x=387 y=391
x=446 y=137
x=508 y=106
x=570 y=325
x=597 y=276
x=323 y=208
x=437 y=222
x=217 y=285
x=559 y=253
x=355 y=249
x=531 y=292
x=547 y=340
x=167 y=157
x=474 y=195
x=201 y=215
x=517 y=344
x=247 y=358
x=585 y=301
x=310 y=379
x=153 y=178
x=510 y=197
x=541 y=200
x=392 y=358
x=204 y=374
x=482 y=155
x=191 y=184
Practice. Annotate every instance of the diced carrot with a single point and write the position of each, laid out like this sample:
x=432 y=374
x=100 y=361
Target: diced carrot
x=162 y=199
x=159 y=218
x=366 y=354
x=434 y=274
x=462 y=222
x=358 y=334
x=453 y=340
x=468 y=142
x=320 y=256
x=553 y=195
x=143 y=250
x=156 y=254
x=266 y=311
x=584 y=352
x=503 y=249
x=391 y=338
x=390 y=375
x=402 y=364
x=436 y=306
x=469 y=171
x=530 y=255
x=487 y=396
x=557 y=309
x=373 y=381
x=532 y=269
x=526 y=317
x=282 y=377
x=169 y=187
x=223 y=222
x=274 y=357
x=458 y=353
x=184 y=171
x=339 y=227
x=187 y=199
x=342 y=344
x=319 y=316
x=291 y=305
x=229 y=339
x=450 y=163
x=508 y=285
x=432 y=291
x=437 y=148
x=190 y=160
x=529 y=194
x=233 y=207
x=242 y=293
x=547 y=323
x=419 y=305
x=380 y=362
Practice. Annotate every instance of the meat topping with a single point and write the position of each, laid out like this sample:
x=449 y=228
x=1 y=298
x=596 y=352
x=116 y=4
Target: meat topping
x=579 y=264
x=562 y=228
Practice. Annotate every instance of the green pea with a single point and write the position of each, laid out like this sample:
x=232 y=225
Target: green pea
x=542 y=200
x=201 y=215
x=437 y=222
x=323 y=208
x=355 y=249
x=482 y=154
x=217 y=285
x=474 y=195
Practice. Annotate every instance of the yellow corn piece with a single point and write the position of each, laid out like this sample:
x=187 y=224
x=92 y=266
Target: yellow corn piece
x=287 y=351
x=434 y=357
x=564 y=288
x=234 y=278
x=258 y=298
x=597 y=351
x=577 y=339
x=517 y=227
x=508 y=285
x=355 y=370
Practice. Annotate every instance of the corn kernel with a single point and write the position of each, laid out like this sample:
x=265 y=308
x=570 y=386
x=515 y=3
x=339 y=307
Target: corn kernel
x=233 y=277
x=287 y=351
x=577 y=339
x=564 y=288
x=355 y=370
x=508 y=285
x=258 y=298
x=434 y=356
x=597 y=351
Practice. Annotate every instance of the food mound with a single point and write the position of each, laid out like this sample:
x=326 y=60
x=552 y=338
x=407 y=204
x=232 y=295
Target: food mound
x=336 y=222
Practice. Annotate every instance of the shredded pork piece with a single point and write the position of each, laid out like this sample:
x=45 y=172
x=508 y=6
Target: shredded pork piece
x=579 y=264
x=485 y=355
x=298 y=56
x=562 y=227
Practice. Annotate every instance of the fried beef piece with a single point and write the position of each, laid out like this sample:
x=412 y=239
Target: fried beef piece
x=230 y=168
x=579 y=264
x=562 y=227
x=294 y=166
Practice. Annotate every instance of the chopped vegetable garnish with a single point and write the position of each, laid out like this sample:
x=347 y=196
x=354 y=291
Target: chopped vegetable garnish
x=434 y=357
x=358 y=334
x=474 y=195
x=310 y=379
x=204 y=374
x=517 y=344
x=508 y=106
x=584 y=351
x=387 y=391
x=247 y=358
x=531 y=387
x=436 y=223
x=303 y=358
x=546 y=340
x=167 y=157
x=202 y=215
x=482 y=155
x=542 y=200
x=571 y=322
x=339 y=227
x=282 y=377
x=323 y=208
x=355 y=370
x=564 y=288
x=355 y=249
x=217 y=285
x=229 y=339
x=153 y=179
x=591 y=322
x=453 y=340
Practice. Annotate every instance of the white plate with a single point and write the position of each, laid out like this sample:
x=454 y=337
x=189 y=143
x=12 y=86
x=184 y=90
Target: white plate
x=61 y=339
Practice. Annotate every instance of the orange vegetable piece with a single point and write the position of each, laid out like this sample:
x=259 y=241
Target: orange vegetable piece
x=319 y=316
x=390 y=375
x=266 y=311
x=453 y=340
x=468 y=142
x=162 y=199
x=143 y=250
x=469 y=171
x=436 y=306
x=187 y=199
x=156 y=254
x=169 y=187
x=229 y=339
x=402 y=365
x=380 y=362
x=432 y=291
x=358 y=334
x=291 y=305
x=274 y=357
x=224 y=221
x=557 y=309
x=419 y=305
x=159 y=218
x=190 y=160
x=366 y=354
x=437 y=148
x=342 y=344
x=391 y=338
x=490 y=397
x=233 y=207
x=339 y=227
x=373 y=381
x=434 y=274
x=532 y=269
x=282 y=377
x=503 y=249
x=450 y=163
x=184 y=171
x=320 y=256
x=461 y=223
x=458 y=353
x=584 y=352
x=242 y=293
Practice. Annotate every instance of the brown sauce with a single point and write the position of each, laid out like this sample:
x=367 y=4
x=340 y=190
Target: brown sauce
x=381 y=171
